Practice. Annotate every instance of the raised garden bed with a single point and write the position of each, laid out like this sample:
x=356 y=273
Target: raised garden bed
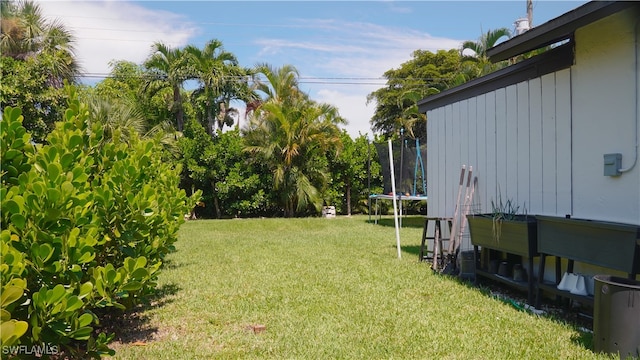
x=608 y=244
x=514 y=236
x=517 y=236
x=602 y=243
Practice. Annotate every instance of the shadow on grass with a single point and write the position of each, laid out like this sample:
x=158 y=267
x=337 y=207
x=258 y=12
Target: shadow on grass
x=132 y=326
x=584 y=339
x=552 y=311
x=411 y=221
x=168 y=264
x=411 y=249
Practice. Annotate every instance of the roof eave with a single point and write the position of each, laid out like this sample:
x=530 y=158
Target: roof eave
x=553 y=60
x=557 y=29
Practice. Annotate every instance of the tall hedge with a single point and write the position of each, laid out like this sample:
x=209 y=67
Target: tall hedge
x=86 y=222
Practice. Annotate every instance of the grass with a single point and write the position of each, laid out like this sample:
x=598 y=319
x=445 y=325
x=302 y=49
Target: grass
x=327 y=289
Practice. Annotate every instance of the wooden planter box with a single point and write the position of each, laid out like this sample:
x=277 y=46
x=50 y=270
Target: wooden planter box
x=517 y=236
x=602 y=243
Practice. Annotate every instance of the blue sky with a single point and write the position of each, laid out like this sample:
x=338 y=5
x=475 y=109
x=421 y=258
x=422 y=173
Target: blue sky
x=340 y=48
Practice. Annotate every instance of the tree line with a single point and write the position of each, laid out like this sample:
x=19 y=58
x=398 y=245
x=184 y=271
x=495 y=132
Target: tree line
x=289 y=159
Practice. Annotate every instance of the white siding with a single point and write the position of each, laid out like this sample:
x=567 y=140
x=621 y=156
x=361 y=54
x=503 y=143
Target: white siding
x=541 y=142
x=604 y=116
x=481 y=161
x=490 y=172
x=464 y=130
x=514 y=142
x=563 y=141
x=511 y=150
x=535 y=147
x=473 y=131
x=549 y=144
x=501 y=141
x=450 y=158
x=523 y=150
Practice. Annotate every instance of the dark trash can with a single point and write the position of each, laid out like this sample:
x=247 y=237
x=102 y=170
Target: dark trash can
x=616 y=318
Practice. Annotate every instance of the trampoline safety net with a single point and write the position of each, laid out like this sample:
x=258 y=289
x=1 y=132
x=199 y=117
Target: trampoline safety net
x=409 y=167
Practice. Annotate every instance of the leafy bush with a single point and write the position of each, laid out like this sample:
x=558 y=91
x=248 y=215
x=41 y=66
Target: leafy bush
x=86 y=224
x=231 y=184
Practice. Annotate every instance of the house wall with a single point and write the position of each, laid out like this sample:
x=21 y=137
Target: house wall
x=518 y=140
x=541 y=142
x=605 y=101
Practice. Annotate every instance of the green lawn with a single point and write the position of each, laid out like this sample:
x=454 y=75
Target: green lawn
x=327 y=289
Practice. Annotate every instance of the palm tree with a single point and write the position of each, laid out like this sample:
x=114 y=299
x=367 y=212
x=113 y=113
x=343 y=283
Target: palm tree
x=281 y=83
x=480 y=47
x=410 y=118
x=171 y=68
x=118 y=117
x=26 y=33
x=289 y=134
x=221 y=80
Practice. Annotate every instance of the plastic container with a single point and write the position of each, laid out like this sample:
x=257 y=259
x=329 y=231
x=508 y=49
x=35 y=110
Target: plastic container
x=616 y=319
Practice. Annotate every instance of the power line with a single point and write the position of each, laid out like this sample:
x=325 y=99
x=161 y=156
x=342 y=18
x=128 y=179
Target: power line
x=379 y=81
x=241 y=77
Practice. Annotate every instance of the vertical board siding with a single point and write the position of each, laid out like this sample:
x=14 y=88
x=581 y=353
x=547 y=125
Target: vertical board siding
x=491 y=172
x=431 y=129
x=549 y=151
x=455 y=162
x=535 y=146
x=481 y=140
x=518 y=139
x=473 y=139
x=501 y=142
x=563 y=142
x=449 y=158
x=464 y=134
x=511 y=186
x=436 y=153
x=433 y=158
x=522 y=90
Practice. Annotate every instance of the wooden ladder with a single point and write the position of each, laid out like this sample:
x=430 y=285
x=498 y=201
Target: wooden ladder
x=437 y=252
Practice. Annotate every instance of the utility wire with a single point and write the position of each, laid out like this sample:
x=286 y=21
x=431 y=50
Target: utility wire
x=301 y=79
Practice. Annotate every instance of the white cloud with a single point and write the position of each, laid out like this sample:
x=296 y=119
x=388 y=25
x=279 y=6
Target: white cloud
x=342 y=50
x=277 y=45
x=351 y=50
x=116 y=30
x=352 y=107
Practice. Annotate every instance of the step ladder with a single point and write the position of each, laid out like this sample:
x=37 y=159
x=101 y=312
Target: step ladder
x=437 y=249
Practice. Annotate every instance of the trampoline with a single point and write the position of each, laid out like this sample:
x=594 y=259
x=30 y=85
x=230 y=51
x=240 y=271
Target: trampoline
x=409 y=173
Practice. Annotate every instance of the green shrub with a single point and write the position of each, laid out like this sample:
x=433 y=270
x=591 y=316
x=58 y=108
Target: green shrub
x=86 y=223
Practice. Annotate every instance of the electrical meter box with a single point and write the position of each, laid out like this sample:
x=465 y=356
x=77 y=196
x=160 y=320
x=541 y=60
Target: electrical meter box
x=612 y=164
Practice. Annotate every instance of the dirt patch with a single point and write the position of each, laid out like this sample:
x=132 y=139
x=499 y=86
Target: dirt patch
x=129 y=327
x=132 y=326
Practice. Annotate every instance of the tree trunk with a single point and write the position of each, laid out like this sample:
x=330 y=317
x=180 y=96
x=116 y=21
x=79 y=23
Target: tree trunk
x=211 y=121
x=222 y=115
x=348 y=198
x=216 y=203
x=288 y=211
x=179 y=113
